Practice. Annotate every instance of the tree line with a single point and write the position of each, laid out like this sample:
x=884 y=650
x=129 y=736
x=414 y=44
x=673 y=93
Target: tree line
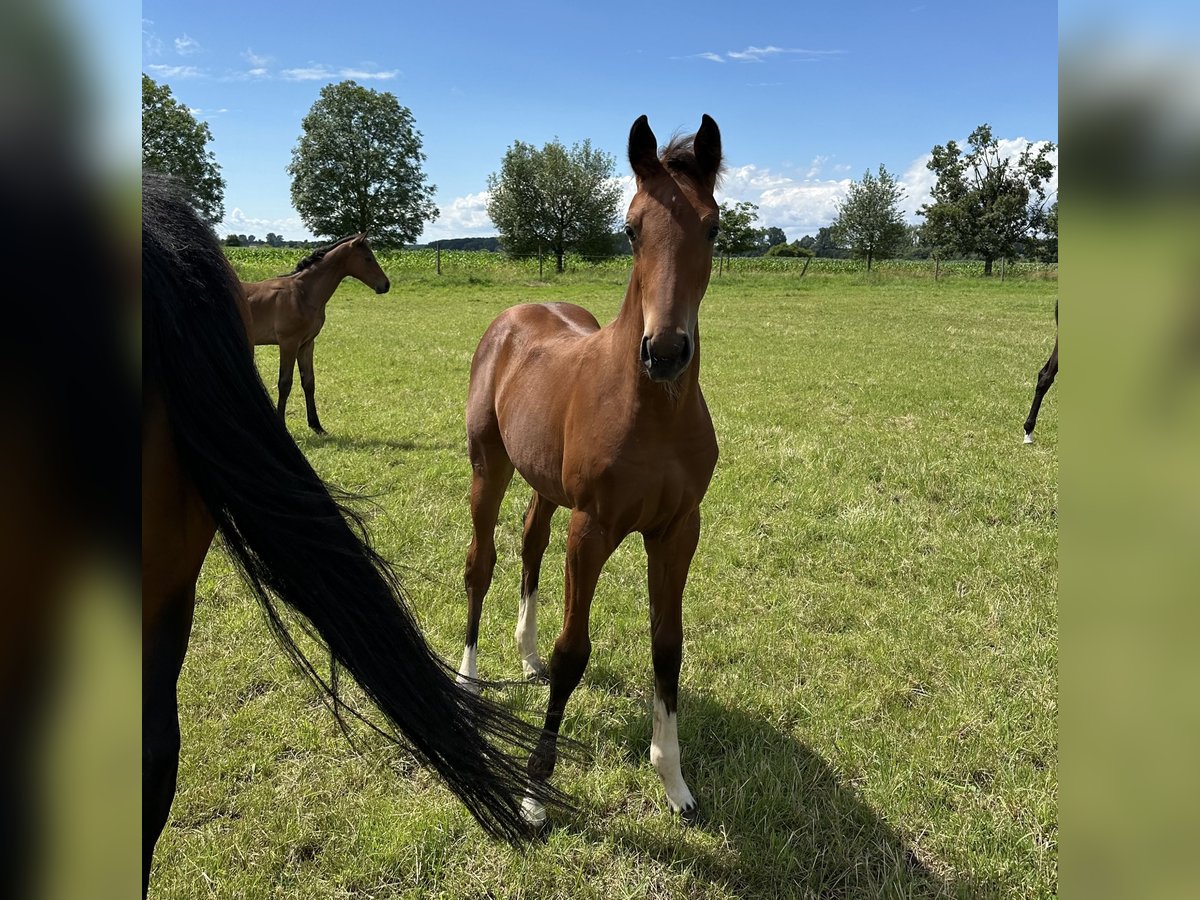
x=357 y=166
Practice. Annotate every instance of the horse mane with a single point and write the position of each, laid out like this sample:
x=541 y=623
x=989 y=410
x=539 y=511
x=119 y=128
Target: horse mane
x=317 y=255
x=679 y=155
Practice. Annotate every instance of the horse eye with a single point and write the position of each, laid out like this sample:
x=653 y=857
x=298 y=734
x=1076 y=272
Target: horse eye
x=712 y=232
x=630 y=233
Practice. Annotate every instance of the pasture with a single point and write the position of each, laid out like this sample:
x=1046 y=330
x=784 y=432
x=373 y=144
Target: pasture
x=868 y=699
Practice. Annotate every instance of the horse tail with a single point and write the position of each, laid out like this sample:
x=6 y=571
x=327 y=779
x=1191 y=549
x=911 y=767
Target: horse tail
x=293 y=540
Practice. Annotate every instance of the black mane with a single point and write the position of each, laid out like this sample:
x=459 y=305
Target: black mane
x=317 y=255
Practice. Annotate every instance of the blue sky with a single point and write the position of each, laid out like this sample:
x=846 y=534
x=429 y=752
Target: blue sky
x=807 y=95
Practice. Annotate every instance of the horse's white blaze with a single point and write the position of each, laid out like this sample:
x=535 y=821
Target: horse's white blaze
x=526 y=635
x=468 y=670
x=664 y=756
x=533 y=812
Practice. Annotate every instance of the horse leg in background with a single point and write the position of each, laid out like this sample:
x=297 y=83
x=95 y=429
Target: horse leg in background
x=491 y=475
x=309 y=384
x=589 y=545
x=287 y=366
x=163 y=649
x=668 y=558
x=1044 y=380
x=533 y=548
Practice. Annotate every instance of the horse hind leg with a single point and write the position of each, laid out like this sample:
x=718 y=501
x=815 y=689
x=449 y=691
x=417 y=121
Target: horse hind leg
x=492 y=474
x=308 y=382
x=533 y=548
x=1044 y=380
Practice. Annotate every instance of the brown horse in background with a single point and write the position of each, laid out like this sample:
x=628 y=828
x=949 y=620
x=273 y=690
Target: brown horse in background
x=215 y=457
x=289 y=310
x=610 y=423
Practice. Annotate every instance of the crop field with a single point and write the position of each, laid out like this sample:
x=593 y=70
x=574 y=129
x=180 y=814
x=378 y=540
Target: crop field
x=868 y=699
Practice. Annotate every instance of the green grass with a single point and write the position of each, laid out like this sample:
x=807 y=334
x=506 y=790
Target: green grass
x=869 y=690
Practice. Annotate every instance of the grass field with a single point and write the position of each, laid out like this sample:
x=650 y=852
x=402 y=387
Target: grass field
x=868 y=700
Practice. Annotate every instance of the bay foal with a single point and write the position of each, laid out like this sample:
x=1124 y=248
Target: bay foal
x=289 y=310
x=610 y=423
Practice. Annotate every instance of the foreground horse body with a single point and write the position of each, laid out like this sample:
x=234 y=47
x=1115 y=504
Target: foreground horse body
x=1045 y=378
x=215 y=457
x=610 y=423
x=290 y=310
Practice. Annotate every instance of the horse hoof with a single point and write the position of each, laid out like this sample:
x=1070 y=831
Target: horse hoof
x=1028 y=437
x=317 y=429
x=470 y=685
x=537 y=676
x=690 y=814
x=533 y=814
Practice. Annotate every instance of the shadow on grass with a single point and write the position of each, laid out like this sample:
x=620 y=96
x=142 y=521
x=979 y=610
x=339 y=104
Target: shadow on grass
x=360 y=442
x=775 y=819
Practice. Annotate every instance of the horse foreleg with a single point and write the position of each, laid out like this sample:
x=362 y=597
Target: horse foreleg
x=1044 y=380
x=488 y=484
x=287 y=366
x=533 y=548
x=668 y=558
x=309 y=383
x=589 y=545
x=163 y=647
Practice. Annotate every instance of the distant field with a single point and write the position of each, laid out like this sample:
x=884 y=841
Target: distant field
x=262 y=262
x=868 y=700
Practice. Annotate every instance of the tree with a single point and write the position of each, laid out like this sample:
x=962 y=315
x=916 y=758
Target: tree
x=231 y=240
x=983 y=203
x=768 y=238
x=357 y=167
x=869 y=221
x=826 y=245
x=794 y=249
x=554 y=198
x=737 y=234
x=174 y=143
x=1045 y=227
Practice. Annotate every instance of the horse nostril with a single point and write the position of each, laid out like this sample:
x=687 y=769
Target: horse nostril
x=645 y=350
x=685 y=351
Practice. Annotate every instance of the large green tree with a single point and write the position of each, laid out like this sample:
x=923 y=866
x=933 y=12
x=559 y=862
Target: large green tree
x=984 y=203
x=738 y=234
x=554 y=199
x=357 y=167
x=869 y=220
x=174 y=143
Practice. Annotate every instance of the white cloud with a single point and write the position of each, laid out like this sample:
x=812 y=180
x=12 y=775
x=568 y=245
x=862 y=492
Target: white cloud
x=365 y=75
x=236 y=221
x=712 y=57
x=185 y=45
x=254 y=59
x=256 y=73
x=174 y=71
x=461 y=217
x=152 y=44
x=308 y=73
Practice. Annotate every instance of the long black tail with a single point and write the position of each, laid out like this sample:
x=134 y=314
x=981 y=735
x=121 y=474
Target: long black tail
x=291 y=538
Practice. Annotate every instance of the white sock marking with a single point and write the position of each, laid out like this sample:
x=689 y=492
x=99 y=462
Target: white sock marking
x=468 y=670
x=533 y=812
x=526 y=636
x=664 y=756
x=1029 y=437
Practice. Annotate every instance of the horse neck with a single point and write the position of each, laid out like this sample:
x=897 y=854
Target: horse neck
x=628 y=328
x=319 y=281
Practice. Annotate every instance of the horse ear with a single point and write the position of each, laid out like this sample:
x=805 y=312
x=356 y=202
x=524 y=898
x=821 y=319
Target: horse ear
x=643 y=149
x=707 y=146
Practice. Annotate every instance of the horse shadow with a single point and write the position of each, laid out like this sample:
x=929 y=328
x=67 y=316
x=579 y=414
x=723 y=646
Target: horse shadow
x=775 y=819
x=363 y=442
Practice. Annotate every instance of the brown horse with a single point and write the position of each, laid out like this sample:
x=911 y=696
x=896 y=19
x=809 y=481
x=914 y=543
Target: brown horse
x=611 y=423
x=290 y=310
x=1045 y=378
x=215 y=457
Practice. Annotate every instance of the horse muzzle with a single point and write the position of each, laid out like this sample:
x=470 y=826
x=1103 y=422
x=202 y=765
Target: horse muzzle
x=383 y=288
x=666 y=357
